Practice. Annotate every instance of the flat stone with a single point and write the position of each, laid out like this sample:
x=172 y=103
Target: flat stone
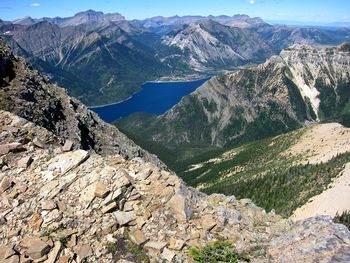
x=84 y=252
x=109 y=208
x=124 y=217
x=12 y=259
x=35 y=222
x=5 y=184
x=113 y=196
x=176 y=244
x=68 y=146
x=68 y=161
x=63 y=259
x=101 y=190
x=208 y=222
x=13 y=233
x=87 y=196
x=6 y=252
x=53 y=255
x=11 y=147
x=138 y=237
x=168 y=255
x=156 y=247
x=179 y=206
x=38 y=143
x=48 y=205
x=143 y=175
x=24 y=162
x=37 y=248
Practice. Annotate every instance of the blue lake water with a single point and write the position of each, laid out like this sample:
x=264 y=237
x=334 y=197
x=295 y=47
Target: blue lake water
x=155 y=98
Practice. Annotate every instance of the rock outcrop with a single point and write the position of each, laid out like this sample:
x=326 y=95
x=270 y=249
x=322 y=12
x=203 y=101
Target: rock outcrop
x=78 y=206
x=28 y=94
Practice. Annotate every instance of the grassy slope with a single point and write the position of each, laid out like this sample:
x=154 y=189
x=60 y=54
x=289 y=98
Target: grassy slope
x=258 y=171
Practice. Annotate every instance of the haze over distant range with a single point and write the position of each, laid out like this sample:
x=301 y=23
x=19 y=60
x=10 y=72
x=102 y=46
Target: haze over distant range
x=311 y=12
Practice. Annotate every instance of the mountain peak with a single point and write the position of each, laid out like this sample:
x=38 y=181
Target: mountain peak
x=27 y=20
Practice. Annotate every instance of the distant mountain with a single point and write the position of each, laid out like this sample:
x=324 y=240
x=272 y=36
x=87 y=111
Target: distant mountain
x=208 y=44
x=78 y=19
x=103 y=58
x=108 y=62
x=160 y=22
x=25 y=21
x=301 y=85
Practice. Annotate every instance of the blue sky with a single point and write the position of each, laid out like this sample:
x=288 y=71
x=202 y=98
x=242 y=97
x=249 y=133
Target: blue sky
x=295 y=10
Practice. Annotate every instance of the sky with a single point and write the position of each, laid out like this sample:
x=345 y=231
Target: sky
x=317 y=11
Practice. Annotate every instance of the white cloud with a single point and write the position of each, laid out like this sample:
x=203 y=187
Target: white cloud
x=34 y=5
x=252 y=2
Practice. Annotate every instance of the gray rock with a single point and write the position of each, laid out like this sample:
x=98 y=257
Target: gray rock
x=68 y=146
x=25 y=162
x=6 y=252
x=179 y=206
x=68 y=161
x=124 y=218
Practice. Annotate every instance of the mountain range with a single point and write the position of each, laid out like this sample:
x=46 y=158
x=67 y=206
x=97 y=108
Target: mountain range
x=103 y=58
x=76 y=189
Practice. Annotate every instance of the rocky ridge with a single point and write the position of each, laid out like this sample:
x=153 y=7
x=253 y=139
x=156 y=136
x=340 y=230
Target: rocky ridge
x=60 y=205
x=28 y=94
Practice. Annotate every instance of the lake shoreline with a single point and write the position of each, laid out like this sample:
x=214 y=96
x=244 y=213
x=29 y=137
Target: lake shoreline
x=148 y=82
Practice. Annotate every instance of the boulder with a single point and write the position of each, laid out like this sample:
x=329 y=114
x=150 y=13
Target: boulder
x=176 y=244
x=5 y=184
x=168 y=255
x=179 y=206
x=208 y=222
x=6 y=252
x=84 y=252
x=68 y=145
x=124 y=218
x=12 y=259
x=138 y=237
x=48 y=205
x=37 y=248
x=68 y=161
x=156 y=247
x=38 y=143
x=101 y=190
x=11 y=147
x=24 y=162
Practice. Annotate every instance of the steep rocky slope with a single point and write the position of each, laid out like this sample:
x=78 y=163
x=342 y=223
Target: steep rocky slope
x=303 y=84
x=59 y=205
x=28 y=94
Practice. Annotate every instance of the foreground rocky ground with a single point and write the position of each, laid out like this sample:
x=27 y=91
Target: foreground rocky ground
x=59 y=205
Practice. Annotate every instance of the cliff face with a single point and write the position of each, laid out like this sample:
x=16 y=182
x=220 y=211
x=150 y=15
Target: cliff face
x=28 y=94
x=302 y=84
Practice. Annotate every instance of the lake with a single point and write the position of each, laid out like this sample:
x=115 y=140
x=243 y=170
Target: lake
x=154 y=97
